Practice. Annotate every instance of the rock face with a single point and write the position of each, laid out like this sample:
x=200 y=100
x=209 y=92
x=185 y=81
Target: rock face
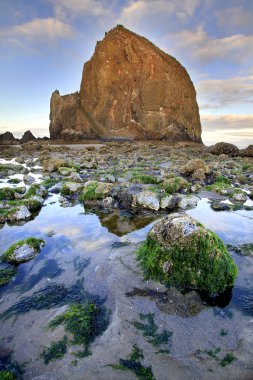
x=7 y=138
x=130 y=89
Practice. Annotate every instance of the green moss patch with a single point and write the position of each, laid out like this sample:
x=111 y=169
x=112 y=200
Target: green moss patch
x=6 y=275
x=9 y=368
x=143 y=178
x=90 y=194
x=133 y=364
x=56 y=350
x=7 y=375
x=215 y=354
x=84 y=322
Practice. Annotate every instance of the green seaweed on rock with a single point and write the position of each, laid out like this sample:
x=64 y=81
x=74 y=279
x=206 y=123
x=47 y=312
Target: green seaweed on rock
x=34 y=243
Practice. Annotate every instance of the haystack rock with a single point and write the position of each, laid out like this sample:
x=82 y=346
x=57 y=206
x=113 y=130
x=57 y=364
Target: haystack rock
x=130 y=89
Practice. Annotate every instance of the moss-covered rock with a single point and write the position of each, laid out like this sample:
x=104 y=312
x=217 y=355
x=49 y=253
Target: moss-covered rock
x=23 y=250
x=175 y=184
x=181 y=252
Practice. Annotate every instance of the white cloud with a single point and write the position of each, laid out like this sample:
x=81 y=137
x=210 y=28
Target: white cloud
x=37 y=30
x=237 y=16
x=236 y=129
x=65 y=8
x=198 y=45
x=140 y=11
x=219 y=93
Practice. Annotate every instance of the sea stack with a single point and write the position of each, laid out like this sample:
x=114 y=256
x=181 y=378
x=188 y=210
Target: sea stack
x=130 y=89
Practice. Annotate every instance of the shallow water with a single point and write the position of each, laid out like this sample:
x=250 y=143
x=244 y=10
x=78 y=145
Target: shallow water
x=97 y=258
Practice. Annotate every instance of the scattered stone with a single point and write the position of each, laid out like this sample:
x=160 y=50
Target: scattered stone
x=194 y=166
x=146 y=199
x=28 y=179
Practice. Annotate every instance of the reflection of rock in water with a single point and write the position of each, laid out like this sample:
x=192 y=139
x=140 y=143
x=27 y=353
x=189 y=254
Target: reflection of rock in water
x=172 y=301
x=123 y=222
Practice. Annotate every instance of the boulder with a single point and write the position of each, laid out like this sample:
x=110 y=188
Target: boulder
x=179 y=251
x=224 y=148
x=247 y=152
x=130 y=89
x=195 y=168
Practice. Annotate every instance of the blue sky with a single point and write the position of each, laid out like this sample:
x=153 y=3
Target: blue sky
x=44 y=43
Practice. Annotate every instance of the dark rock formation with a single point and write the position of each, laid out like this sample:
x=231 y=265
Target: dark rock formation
x=27 y=137
x=129 y=89
x=223 y=148
x=247 y=152
x=7 y=138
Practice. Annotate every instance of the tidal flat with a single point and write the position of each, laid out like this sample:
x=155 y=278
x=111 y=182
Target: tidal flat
x=109 y=322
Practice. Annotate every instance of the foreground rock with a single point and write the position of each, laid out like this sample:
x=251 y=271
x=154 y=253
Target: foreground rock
x=23 y=251
x=130 y=89
x=179 y=251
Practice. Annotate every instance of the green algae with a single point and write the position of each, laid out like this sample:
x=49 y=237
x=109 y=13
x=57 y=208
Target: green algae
x=8 y=193
x=84 y=322
x=215 y=355
x=56 y=350
x=150 y=329
x=48 y=183
x=6 y=275
x=133 y=364
x=34 y=243
x=205 y=264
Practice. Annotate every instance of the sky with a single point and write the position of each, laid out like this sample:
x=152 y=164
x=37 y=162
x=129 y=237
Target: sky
x=44 y=44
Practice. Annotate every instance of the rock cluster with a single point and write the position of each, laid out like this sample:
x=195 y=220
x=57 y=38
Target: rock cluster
x=130 y=89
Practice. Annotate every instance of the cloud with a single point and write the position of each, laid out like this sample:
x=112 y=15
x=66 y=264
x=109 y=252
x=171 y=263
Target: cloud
x=237 y=16
x=77 y=8
x=37 y=30
x=199 y=46
x=225 y=122
x=236 y=129
x=145 y=11
x=218 y=93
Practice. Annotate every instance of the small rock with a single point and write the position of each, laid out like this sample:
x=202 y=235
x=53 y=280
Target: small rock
x=28 y=179
x=146 y=199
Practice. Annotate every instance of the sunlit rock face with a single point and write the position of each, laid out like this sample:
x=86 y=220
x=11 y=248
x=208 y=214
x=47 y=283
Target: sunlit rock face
x=129 y=89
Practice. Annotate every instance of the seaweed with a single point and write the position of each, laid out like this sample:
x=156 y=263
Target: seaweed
x=84 y=322
x=34 y=243
x=53 y=295
x=150 y=329
x=133 y=364
x=215 y=354
x=56 y=350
